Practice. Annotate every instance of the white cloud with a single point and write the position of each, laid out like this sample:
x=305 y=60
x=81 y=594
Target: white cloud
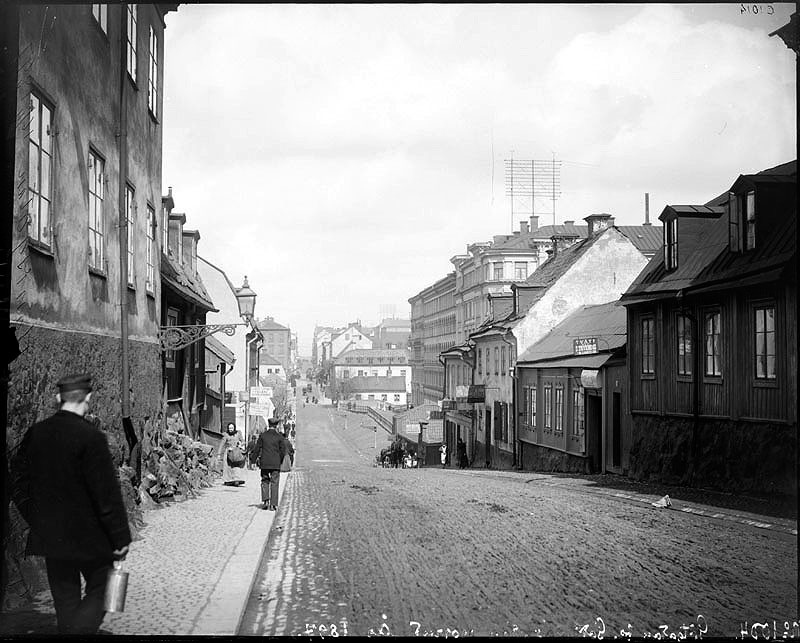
x=339 y=155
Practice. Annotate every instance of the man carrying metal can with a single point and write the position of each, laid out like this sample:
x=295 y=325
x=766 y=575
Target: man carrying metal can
x=67 y=490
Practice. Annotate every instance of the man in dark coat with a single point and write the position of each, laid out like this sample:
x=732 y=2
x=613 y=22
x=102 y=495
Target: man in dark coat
x=67 y=490
x=271 y=447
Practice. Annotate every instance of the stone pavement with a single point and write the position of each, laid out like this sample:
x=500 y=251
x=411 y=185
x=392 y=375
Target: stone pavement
x=192 y=570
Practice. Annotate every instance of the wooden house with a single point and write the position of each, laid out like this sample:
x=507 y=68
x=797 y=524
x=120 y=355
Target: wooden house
x=570 y=392
x=713 y=341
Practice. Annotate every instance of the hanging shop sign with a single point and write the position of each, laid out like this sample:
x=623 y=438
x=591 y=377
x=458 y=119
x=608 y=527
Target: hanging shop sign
x=591 y=379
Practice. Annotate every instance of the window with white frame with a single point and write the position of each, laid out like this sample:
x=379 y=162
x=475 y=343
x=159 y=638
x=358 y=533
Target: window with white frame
x=520 y=270
x=577 y=411
x=100 y=13
x=750 y=220
x=40 y=168
x=150 y=283
x=152 y=82
x=496 y=360
x=533 y=406
x=497 y=266
x=713 y=345
x=502 y=360
x=765 y=345
x=131 y=40
x=396 y=397
x=548 y=406
x=130 y=212
x=683 y=327
x=559 y=419
x=648 y=346
x=96 y=225
x=671 y=244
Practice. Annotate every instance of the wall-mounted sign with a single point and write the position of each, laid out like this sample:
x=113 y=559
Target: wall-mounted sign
x=591 y=379
x=584 y=346
x=477 y=393
x=260 y=391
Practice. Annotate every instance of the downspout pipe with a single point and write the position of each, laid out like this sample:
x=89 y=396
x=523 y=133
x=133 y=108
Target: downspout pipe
x=123 y=220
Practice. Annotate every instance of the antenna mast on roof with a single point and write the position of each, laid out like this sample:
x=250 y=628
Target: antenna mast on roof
x=529 y=179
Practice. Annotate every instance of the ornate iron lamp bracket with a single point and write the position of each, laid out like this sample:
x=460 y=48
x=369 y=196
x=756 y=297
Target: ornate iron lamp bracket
x=174 y=338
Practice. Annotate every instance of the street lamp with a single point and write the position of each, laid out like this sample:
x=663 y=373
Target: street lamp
x=177 y=337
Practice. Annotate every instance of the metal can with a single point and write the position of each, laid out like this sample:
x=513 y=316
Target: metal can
x=116 y=588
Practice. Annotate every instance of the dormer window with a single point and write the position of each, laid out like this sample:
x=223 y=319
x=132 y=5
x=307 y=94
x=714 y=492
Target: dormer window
x=671 y=244
x=749 y=217
x=742 y=221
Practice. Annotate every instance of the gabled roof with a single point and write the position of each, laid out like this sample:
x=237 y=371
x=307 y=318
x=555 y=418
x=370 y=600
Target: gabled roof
x=704 y=256
x=555 y=267
x=269 y=324
x=647 y=238
x=265 y=359
x=188 y=286
x=606 y=322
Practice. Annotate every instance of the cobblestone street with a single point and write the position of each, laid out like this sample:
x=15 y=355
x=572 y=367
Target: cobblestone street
x=359 y=548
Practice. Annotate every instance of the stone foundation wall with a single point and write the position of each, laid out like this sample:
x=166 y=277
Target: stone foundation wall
x=539 y=458
x=721 y=454
x=47 y=355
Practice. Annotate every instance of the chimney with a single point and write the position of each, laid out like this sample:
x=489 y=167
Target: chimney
x=534 y=223
x=569 y=222
x=598 y=222
x=647 y=208
x=562 y=240
x=523 y=227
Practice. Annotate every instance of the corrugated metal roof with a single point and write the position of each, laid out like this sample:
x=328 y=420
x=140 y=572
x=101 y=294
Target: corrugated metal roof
x=647 y=238
x=606 y=322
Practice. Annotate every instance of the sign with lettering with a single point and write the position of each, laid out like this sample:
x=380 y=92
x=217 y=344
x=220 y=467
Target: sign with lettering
x=260 y=409
x=584 y=346
x=260 y=391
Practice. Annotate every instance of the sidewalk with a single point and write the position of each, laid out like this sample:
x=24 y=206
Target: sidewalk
x=192 y=570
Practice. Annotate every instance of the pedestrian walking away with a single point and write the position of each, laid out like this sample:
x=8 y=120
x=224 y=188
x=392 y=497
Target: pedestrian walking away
x=443 y=455
x=231 y=454
x=65 y=486
x=271 y=448
x=463 y=461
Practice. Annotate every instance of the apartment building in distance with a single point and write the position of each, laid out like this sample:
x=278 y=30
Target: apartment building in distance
x=433 y=330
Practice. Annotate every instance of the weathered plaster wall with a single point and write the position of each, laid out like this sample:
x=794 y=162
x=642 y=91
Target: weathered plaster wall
x=727 y=454
x=67 y=59
x=600 y=275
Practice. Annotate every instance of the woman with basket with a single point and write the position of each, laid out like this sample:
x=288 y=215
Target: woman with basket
x=231 y=453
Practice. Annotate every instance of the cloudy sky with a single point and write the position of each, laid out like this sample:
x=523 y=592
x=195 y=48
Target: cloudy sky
x=339 y=155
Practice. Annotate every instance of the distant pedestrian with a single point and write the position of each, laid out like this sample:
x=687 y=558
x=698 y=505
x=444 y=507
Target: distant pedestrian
x=67 y=490
x=231 y=454
x=271 y=447
x=443 y=455
x=461 y=451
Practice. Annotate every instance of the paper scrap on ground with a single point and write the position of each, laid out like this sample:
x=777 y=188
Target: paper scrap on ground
x=664 y=502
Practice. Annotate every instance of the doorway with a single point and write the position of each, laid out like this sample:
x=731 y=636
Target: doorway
x=594 y=430
x=616 y=430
